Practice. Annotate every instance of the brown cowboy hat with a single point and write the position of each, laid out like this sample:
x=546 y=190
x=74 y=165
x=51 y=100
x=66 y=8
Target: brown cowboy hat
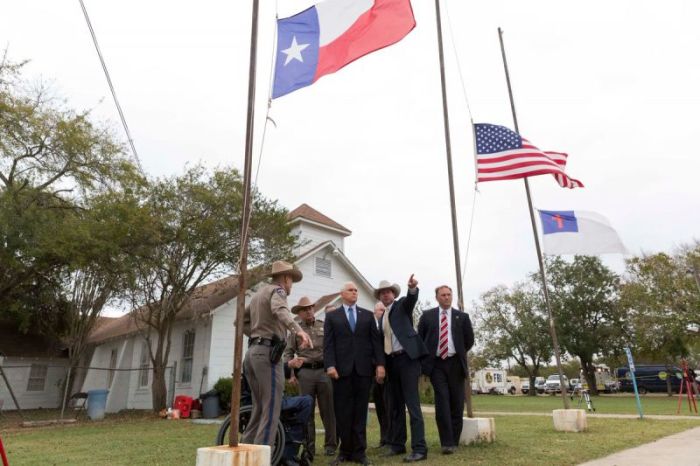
x=303 y=303
x=385 y=285
x=282 y=267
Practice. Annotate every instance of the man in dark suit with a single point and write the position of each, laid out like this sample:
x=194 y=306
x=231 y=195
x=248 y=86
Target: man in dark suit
x=352 y=355
x=404 y=350
x=380 y=394
x=448 y=335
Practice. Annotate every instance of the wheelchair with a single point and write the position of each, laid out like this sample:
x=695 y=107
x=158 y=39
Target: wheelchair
x=244 y=417
x=290 y=436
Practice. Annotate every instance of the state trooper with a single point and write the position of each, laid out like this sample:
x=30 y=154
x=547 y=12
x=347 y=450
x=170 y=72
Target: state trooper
x=267 y=320
x=310 y=374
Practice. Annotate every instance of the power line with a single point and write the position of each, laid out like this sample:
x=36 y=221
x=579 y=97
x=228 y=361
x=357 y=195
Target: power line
x=111 y=86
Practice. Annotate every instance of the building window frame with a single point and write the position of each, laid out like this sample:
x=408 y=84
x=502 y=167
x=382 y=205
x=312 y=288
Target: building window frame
x=188 y=339
x=144 y=366
x=323 y=267
x=38 y=373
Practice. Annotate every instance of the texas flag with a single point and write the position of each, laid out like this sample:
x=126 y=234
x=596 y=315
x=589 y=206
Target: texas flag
x=329 y=35
x=578 y=232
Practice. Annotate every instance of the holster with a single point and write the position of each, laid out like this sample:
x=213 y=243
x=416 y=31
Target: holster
x=277 y=348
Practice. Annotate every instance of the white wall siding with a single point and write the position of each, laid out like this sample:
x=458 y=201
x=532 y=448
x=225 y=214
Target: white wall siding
x=313 y=236
x=315 y=286
x=17 y=371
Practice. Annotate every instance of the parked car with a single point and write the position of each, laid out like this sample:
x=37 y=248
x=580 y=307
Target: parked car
x=553 y=384
x=539 y=385
x=525 y=386
x=650 y=378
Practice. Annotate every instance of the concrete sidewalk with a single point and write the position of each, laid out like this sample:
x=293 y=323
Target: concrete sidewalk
x=682 y=449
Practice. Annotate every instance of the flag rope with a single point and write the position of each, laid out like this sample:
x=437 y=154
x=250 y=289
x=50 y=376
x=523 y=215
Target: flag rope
x=459 y=65
x=469 y=234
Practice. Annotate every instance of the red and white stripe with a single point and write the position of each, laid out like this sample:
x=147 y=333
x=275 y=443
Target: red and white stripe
x=523 y=162
x=442 y=347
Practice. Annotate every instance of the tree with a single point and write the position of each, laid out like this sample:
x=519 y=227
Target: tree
x=196 y=223
x=52 y=159
x=513 y=325
x=584 y=296
x=663 y=301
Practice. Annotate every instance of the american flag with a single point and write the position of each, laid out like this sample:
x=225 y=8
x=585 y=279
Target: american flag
x=501 y=154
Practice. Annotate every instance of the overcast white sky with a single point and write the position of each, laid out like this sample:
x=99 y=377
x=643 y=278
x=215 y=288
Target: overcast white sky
x=614 y=84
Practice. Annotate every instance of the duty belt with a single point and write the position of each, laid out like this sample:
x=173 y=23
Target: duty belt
x=312 y=365
x=260 y=341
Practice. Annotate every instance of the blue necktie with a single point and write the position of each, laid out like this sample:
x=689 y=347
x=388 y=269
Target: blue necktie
x=351 y=319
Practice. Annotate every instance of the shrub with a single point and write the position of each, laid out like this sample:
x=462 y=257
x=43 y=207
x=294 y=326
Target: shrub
x=224 y=386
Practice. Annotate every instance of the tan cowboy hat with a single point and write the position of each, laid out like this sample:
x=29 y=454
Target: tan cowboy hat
x=282 y=267
x=303 y=303
x=385 y=285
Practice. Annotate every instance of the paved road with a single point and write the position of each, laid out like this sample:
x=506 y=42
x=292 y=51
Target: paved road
x=682 y=449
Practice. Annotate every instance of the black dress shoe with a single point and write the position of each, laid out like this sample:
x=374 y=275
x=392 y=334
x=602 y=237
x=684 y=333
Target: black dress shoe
x=391 y=452
x=339 y=459
x=330 y=451
x=364 y=461
x=413 y=457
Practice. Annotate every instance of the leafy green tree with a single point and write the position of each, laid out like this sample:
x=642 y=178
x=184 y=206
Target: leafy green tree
x=663 y=301
x=512 y=324
x=585 y=301
x=52 y=159
x=196 y=236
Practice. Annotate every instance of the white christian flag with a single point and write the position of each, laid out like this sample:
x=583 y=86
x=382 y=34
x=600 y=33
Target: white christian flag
x=578 y=232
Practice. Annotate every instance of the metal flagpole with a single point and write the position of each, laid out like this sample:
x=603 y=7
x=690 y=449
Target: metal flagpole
x=455 y=235
x=552 y=328
x=245 y=222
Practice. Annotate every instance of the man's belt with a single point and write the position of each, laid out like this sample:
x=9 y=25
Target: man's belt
x=398 y=353
x=312 y=365
x=260 y=341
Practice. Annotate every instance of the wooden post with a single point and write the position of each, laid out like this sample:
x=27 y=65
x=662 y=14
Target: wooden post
x=453 y=209
x=552 y=328
x=245 y=222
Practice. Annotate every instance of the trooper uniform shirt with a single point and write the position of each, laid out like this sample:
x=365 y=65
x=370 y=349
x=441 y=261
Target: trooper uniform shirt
x=268 y=314
x=315 y=354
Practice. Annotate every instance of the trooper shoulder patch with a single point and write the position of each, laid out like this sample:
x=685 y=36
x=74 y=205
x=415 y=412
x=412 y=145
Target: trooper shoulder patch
x=280 y=291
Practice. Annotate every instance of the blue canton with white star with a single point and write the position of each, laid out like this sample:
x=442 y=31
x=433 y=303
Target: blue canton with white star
x=297 y=52
x=495 y=138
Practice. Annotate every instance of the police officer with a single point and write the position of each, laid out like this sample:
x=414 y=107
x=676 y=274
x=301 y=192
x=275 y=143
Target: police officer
x=267 y=320
x=308 y=367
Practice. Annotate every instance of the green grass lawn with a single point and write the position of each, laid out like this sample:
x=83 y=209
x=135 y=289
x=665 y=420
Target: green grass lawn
x=139 y=438
x=604 y=404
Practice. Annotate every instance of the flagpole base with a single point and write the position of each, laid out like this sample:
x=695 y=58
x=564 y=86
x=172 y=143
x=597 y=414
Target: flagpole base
x=570 y=420
x=241 y=455
x=478 y=430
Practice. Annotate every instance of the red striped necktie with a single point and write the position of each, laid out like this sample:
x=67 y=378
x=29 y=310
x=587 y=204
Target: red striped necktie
x=442 y=347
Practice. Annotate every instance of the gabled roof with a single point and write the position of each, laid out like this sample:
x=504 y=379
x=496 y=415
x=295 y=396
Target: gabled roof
x=342 y=258
x=14 y=343
x=204 y=299
x=307 y=212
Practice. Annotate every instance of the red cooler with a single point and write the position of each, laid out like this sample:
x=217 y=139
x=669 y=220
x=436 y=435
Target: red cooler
x=184 y=404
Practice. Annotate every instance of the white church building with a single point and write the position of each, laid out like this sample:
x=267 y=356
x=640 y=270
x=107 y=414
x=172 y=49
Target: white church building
x=203 y=336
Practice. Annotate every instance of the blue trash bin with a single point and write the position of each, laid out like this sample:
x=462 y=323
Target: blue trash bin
x=96 y=404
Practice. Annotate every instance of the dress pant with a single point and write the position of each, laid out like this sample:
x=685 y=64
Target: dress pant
x=404 y=373
x=316 y=383
x=351 y=399
x=266 y=381
x=380 y=395
x=447 y=379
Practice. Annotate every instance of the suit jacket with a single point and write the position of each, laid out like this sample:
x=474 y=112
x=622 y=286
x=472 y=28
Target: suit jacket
x=345 y=350
x=462 y=336
x=401 y=321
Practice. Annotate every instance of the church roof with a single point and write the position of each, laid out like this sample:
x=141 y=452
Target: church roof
x=307 y=212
